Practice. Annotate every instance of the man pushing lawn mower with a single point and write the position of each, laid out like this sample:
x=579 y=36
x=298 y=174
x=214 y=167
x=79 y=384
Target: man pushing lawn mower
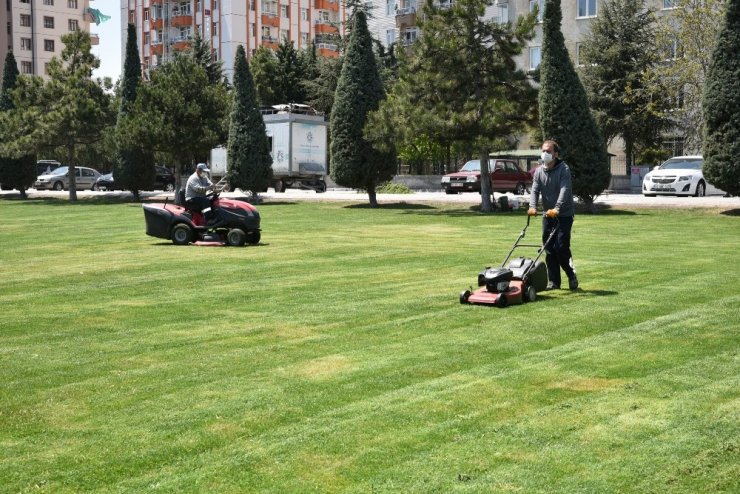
x=552 y=182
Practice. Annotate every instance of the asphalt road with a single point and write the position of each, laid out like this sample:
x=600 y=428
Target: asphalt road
x=467 y=198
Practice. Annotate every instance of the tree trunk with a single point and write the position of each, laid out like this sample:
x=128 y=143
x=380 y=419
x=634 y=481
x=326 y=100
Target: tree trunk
x=372 y=196
x=485 y=183
x=72 y=178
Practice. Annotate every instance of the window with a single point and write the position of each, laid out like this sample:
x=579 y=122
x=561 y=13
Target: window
x=579 y=56
x=48 y=22
x=501 y=13
x=538 y=4
x=390 y=7
x=284 y=34
x=251 y=5
x=586 y=8
x=304 y=39
x=215 y=29
x=409 y=36
x=71 y=4
x=304 y=14
x=26 y=68
x=147 y=38
x=146 y=61
x=285 y=11
x=23 y=1
x=266 y=32
x=535 y=56
x=146 y=14
x=74 y=25
x=25 y=20
x=48 y=45
x=48 y=2
x=132 y=16
x=46 y=68
x=252 y=29
x=390 y=36
x=26 y=44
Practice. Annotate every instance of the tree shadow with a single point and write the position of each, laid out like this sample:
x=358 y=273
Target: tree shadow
x=403 y=206
x=731 y=212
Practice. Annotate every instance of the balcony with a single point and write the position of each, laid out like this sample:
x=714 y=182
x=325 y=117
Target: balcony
x=180 y=43
x=326 y=27
x=270 y=19
x=181 y=18
x=156 y=24
x=406 y=17
x=332 y=5
x=156 y=48
x=94 y=39
x=328 y=49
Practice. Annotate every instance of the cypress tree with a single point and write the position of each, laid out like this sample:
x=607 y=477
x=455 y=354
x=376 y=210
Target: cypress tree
x=133 y=168
x=565 y=115
x=15 y=173
x=249 y=162
x=722 y=107
x=355 y=161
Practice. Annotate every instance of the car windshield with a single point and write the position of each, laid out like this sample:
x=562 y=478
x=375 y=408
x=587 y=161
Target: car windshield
x=471 y=166
x=681 y=164
x=62 y=170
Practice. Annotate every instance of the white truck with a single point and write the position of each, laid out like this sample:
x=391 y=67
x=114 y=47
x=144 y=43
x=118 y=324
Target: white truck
x=297 y=136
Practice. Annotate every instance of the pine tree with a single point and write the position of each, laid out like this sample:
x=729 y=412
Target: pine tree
x=565 y=115
x=355 y=161
x=619 y=54
x=15 y=173
x=249 y=162
x=291 y=71
x=722 y=107
x=133 y=168
x=265 y=72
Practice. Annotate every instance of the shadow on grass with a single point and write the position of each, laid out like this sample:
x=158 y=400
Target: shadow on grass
x=404 y=206
x=731 y=212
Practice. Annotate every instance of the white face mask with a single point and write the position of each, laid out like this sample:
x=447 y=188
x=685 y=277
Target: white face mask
x=546 y=157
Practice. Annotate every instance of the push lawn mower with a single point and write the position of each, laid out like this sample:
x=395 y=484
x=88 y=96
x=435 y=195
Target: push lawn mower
x=237 y=222
x=517 y=283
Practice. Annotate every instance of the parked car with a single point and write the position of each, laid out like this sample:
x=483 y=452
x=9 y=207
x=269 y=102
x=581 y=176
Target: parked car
x=44 y=167
x=163 y=180
x=679 y=176
x=58 y=179
x=505 y=175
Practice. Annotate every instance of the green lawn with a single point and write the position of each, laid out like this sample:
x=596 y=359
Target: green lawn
x=335 y=356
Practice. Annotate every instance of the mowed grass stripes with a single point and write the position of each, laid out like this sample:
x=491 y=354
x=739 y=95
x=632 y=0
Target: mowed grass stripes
x=335 y=357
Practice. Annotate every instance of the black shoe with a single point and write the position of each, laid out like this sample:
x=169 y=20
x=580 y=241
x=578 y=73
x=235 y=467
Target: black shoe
x=573 y=282
x=553 y=286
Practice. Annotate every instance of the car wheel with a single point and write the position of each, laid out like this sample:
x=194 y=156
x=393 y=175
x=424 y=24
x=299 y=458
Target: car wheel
x=236 y=238
x=58 y=186
x=521 y=189
x=701 y=190
x=95 y=187
x=649 y=195
x=253 y=237
x=182 y=234
x=169 y=188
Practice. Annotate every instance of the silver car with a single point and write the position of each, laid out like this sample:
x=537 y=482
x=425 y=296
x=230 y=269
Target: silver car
x=58 y=179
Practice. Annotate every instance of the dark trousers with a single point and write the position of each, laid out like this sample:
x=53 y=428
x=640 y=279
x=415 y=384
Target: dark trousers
x=198 y=203
x=557 y=251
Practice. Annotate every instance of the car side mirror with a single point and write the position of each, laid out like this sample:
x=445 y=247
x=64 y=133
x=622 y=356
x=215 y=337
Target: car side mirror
x=656 y=167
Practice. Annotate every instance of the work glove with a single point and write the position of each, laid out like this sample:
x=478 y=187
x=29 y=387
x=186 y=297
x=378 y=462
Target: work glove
x=552 y=213
x=532 y=212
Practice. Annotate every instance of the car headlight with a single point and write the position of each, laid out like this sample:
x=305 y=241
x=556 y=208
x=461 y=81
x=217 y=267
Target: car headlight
x=445 y=180
x=471 y=179
x=684 y=178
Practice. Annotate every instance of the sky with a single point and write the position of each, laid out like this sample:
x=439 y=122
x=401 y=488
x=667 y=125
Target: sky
x=109 y=32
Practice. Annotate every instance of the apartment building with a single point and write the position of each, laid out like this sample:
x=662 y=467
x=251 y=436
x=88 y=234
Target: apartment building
x=34 y=30
x=166 y=26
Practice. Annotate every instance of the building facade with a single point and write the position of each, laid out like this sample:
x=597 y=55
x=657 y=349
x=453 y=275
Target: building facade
x=34 y=30
x=166 y=26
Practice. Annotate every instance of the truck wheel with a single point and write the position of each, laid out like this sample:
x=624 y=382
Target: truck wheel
x=236 y=237
x=320 y=187
x=279 y=187
x=182 y=234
